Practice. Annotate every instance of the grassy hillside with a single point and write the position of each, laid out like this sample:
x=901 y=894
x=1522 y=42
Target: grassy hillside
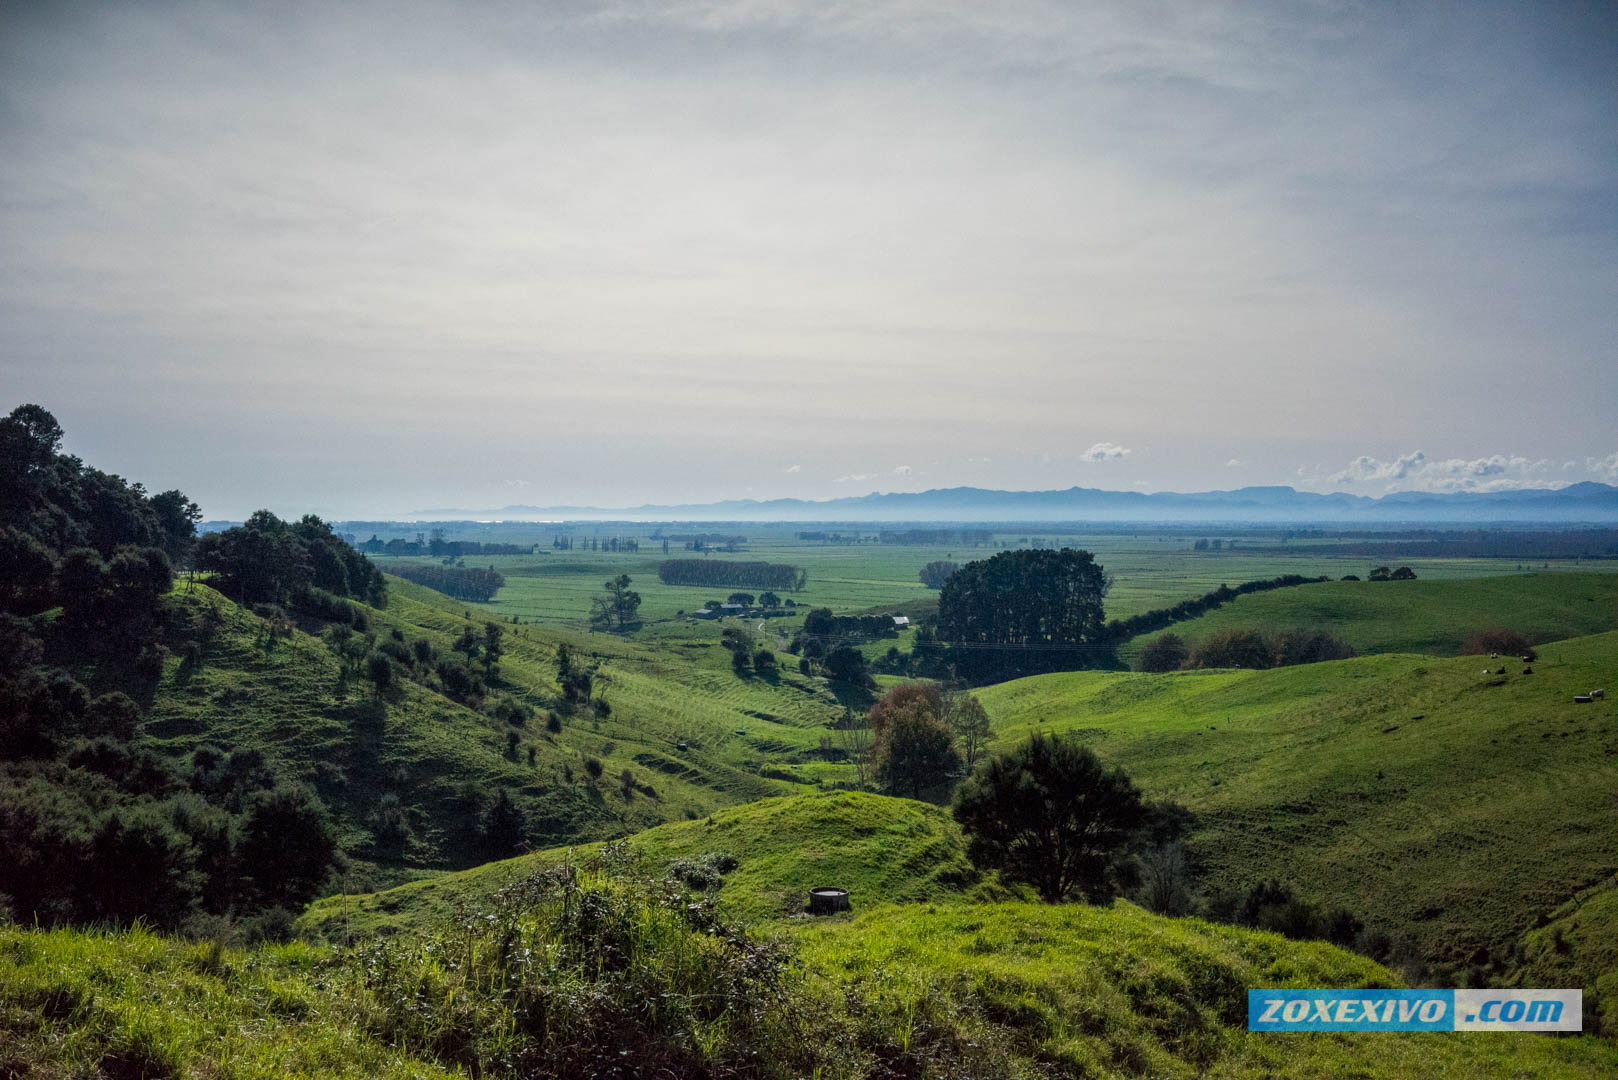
x=1442 y=804
x=993 y=990
x=1118 y=992
x=1578 y=946
x=1423 y=616
x=881 y=849
x=743 y=737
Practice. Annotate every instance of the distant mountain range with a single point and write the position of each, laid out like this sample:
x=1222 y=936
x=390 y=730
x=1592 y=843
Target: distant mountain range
x=1586 y=502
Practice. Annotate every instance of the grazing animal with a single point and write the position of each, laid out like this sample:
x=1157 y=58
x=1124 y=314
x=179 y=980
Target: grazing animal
x=1527 y=671
x=1598 y=693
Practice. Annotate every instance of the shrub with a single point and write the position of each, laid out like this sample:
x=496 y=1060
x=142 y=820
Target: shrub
x=593 y=766
x=1498 y=640
x=1232 y=649
x=1166 y=653
x=1309 y=647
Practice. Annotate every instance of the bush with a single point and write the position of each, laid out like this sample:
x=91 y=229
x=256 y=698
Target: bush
x=593 y=766
x=1232 y=649
x=1498 y=640
x=1309 y=647
x=1166 y=653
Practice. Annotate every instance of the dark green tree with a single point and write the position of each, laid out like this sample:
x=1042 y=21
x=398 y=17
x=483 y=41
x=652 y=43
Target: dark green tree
x=1164 y=653
x=286 y=848
x=503 y=828
x=915 y=749
x=935 y=573
x=1048 y=814
x=493 y=650
x=1024 y=612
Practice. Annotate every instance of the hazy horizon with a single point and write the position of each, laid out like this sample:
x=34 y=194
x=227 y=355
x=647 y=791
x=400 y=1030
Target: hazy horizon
x=362 y=260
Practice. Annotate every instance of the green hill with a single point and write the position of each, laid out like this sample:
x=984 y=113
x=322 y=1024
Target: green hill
x=881 y=849
x=993 y=990
x=693 y=736
x=1423 y=616
x=1444 y=805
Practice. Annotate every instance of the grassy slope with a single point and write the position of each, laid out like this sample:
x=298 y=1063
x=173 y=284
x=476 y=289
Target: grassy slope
x=1122 y=993
x=1578 y=946
x=879 y=848
x=291 y=703
x=130 y=1004
x=1430 y=799
x=1422 y=616
x=1013 y=990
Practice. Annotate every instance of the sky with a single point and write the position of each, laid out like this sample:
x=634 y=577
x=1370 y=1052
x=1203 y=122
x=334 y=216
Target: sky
x=364 y=259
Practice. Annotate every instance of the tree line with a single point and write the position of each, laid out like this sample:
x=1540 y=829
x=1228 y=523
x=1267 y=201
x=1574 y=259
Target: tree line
x=95 y=825
x=1121 y=630
x=440 y=548
x=757 y=575
x=462 y=583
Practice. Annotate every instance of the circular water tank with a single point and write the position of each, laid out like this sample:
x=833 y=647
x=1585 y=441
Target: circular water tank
x=828 y=901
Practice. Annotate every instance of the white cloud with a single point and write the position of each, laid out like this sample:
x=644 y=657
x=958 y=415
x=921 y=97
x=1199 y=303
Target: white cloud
x=1569 y=466
x=1232 y=463
x=793 y=468
x=854 y=478
x=1415 y=471
x=902 y=470
x=519 y=483
x=1104 y=451
x=1606 y=469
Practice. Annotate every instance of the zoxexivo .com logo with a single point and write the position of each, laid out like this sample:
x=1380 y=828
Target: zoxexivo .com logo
x=1415 y=1010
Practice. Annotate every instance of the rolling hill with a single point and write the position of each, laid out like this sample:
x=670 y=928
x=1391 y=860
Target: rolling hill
x=1445 y=805
x=1423 y=616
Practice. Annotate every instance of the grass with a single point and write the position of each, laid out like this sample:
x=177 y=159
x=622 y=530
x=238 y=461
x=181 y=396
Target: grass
x=134 y=1004
x=1427 y=615
x=1438 y=803
x=596 y=973
x=881 y=849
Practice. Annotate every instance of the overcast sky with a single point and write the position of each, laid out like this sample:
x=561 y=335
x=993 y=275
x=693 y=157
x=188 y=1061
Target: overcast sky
x=362 y=260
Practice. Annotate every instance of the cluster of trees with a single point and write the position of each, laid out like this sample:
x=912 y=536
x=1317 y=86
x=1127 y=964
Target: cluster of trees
x=439 y=547
x=935 y=573
x=754 y=575
x=919 y=537
x=596 y=543
x=1382 y=573
x=744 y=657
x=617 y=609
x=823 y=646
x=916 y=736
x=74 y=536
x=1244 y=649
x=1210 y=545
x=1121 y=630
x=269 y=561
x=1024 y=612
x=463 y=583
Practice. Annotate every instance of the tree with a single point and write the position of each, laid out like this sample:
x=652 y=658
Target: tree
x=1048 y=814
x=380 y=671
x=1165 y=653
x=935 y=573
x=503 y=828
x=492 y=649
x=1039 y=610
x=617 y=609
x=1381 y=573
x=852 y=735
x=286 y=847
x=745 y=599
x=970 y=722
x=1404 y=573
x=847 y=664
x=915 y=749
x=769 y=600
